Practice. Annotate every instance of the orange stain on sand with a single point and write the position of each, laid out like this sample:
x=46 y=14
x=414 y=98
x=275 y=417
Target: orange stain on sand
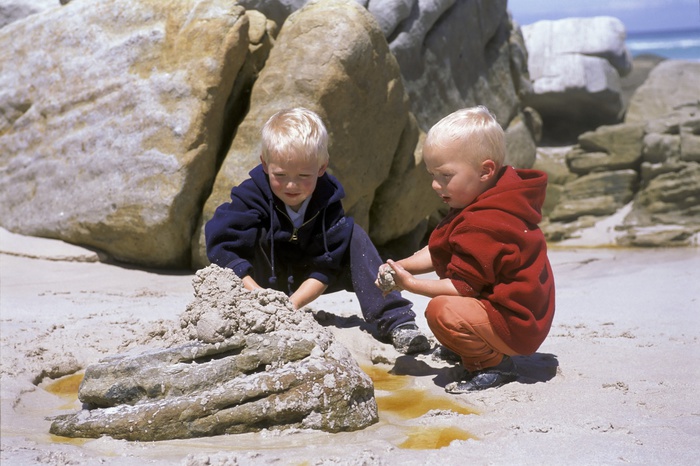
x=409 y=403
x=66 y=387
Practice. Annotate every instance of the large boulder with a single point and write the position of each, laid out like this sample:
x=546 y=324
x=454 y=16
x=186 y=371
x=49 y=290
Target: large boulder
x=392 y=219
x=111 y=122
x=575 y=65
x=240 y=361
x=475 y=68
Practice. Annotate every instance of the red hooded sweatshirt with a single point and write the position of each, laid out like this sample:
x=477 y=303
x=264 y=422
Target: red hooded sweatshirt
x=494 y=251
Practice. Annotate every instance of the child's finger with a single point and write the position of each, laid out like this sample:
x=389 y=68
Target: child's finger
x=394 y=265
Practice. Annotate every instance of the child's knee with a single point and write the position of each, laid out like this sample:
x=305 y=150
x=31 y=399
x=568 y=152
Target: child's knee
x=434 y=312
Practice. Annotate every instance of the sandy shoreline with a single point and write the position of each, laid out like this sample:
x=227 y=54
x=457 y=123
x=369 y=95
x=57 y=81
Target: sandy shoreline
x=615 y=382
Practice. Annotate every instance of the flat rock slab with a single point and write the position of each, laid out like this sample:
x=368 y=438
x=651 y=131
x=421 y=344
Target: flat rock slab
x=240 y=361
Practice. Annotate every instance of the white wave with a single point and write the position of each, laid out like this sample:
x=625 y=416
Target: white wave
x=663 y=44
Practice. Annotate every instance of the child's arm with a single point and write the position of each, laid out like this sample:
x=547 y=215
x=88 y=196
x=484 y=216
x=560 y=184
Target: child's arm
x=425 y=287
x=308 y=291
x=250 y=284
x=420 y=262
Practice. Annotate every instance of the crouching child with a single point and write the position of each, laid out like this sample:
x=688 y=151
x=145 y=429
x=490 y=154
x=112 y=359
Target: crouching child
x=494 y=296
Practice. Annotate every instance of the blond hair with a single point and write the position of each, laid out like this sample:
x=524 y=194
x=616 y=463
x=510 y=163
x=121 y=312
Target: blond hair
x=295 y=132
x=476 y=131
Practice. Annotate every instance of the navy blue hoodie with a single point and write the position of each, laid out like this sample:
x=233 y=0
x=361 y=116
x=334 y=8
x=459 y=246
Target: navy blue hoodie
x=257 y=218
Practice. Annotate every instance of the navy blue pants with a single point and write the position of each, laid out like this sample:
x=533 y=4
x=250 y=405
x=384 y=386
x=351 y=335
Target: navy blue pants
x=360 y=266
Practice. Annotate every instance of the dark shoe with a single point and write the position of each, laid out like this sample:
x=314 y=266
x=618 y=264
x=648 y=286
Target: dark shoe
x=407 y=339
x=491 y=377
x=443 y=353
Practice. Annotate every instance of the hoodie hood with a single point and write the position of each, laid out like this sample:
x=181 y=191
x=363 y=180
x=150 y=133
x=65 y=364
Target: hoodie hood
x=519 y=192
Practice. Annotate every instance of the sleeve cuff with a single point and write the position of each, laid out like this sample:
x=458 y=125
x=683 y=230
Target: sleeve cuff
x=240 y=267
x=321 y=277
x=464 y=289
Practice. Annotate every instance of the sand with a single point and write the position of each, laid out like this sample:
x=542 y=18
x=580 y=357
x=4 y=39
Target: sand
x=616 y=381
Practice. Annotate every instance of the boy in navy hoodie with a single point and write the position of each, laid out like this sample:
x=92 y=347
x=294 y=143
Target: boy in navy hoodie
x=285 y=228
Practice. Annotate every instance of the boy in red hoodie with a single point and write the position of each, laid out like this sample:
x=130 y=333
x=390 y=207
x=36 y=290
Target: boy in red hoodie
x=495 y=294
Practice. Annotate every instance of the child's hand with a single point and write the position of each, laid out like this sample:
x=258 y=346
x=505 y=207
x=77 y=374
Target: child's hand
x=402 y=278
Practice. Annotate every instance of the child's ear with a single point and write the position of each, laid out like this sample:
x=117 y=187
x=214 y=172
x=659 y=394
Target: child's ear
x=322 y=169
x=264 y=165
x=488 y=169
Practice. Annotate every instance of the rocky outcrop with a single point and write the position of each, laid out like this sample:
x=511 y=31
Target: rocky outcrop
x=647 y=171
x=112 y=137
x=575 y=65
x=241 y=361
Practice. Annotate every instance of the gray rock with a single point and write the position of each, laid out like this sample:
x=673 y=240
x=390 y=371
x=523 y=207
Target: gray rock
x=14 y=10
x=664 y=210
x=659 y=148
x=404 y=200
x=658 y=237
x=552 y=160
x=241 y=361
x=474 y=69
x=575 y=65
x=670 y=198
x=598 y=194
x=641 y=67
x=614 y=147
x=521 y=149
x=601 y=36
x=690 y=139
x=670 y=85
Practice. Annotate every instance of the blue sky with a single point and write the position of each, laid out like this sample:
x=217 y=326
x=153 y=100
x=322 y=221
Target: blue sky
x=637 y=15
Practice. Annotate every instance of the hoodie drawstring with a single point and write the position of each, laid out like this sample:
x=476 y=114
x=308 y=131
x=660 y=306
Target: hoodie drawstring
x=273 y=278
x=326 y=255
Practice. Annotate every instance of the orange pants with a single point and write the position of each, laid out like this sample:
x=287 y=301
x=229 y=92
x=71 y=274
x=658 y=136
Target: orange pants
x=462 y=325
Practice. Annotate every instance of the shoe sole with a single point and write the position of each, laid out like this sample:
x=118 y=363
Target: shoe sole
x=417 y=345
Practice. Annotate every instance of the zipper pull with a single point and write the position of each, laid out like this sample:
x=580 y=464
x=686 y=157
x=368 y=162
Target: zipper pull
x=294 y=236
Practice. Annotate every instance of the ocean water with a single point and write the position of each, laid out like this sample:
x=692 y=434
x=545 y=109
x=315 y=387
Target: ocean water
x=676 y=45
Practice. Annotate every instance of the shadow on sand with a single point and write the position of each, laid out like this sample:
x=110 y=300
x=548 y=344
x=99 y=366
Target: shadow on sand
x=536 y=368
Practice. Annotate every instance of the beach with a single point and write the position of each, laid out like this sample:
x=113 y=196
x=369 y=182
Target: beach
x=614 y=383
